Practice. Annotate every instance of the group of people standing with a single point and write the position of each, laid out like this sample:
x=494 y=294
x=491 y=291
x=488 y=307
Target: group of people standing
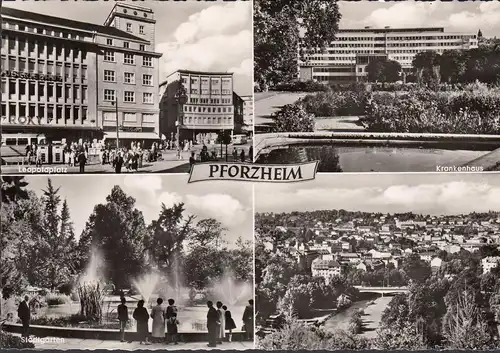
x=219 y=320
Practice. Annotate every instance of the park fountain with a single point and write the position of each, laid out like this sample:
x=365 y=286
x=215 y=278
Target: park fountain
x=232 y=292
x=145 y=285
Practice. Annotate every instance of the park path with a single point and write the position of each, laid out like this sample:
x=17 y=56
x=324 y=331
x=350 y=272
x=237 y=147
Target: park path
x=267 y=103
x=75 y=343
x=373 y=316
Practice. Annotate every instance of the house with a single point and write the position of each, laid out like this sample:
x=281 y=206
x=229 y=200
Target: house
x=325 y=268
x=436 y=263
x=490 y=263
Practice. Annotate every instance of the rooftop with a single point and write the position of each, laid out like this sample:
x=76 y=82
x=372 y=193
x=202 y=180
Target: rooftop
x=191 y=72
x=59 y=21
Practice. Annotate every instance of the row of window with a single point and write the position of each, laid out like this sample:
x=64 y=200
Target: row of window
x=213 y=91
x=192 y=109
x=405 y=38
x=45 y=50
x=128 y=77
x=128 y=96
x=399 y=44
x=39 y=110
x=333 y=69
x=126 y=44
x=18 y=89
x=130 y=117
x=43 y=67
x=41 y=30
x=128 y=58
x=210 y=100
x=208 y=120
x=206 y=80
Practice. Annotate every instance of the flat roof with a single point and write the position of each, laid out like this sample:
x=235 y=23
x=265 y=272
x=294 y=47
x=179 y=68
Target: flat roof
x=85 y=26
x=208 y=73
x=386 y=30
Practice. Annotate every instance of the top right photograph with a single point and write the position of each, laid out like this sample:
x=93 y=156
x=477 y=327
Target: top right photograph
x=370 y=86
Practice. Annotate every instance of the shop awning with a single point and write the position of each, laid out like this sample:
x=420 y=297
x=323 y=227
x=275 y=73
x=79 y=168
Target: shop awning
x=132 y=135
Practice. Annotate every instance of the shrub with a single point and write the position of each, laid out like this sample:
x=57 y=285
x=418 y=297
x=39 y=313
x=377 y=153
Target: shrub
x=293 y=118
x=56 y=299
x=297 y=336
x=424 y=111
x=66 y=288
x=356 y=323
x=10 y=341
x=301 y=86
x=336 y=103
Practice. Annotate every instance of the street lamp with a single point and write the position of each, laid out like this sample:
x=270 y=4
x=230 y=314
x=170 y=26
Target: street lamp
x=115 y=103
x=181 y=99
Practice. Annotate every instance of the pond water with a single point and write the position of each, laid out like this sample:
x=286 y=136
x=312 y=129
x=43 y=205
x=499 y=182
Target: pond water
x=371 y=159
x=191 y=318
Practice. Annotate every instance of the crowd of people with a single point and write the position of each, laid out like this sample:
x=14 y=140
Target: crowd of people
x=220 y=323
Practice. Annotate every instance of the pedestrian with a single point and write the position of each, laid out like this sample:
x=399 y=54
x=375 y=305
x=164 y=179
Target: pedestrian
x=212 y=322
x=235 y=155
x=141 y=316
x=118 y=162
x=135 y=161
x=172 y=322
x=192 y=161
x=230 y=325
x=123 y=317
x=28 y=154
x=81 y=161
x=248 y=320
x=250 y=153
x=23 y=311
x=221 y=334
x=38 y=160
x=242 y=155
x=158 y=315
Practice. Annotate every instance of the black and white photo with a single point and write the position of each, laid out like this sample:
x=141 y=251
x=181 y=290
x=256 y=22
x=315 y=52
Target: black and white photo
x=126 y=262
x=374 y=86
x=123 y=87
x=390 y=262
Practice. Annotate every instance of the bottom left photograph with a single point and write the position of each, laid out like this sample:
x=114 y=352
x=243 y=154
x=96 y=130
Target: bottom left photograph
x=126 y=262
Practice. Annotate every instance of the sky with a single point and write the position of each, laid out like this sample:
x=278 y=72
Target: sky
x=192 y=35
x=230 y=204
x=458 y=16
x=431 y=194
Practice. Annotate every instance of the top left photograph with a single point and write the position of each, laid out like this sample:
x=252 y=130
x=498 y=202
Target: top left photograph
x=122 y=88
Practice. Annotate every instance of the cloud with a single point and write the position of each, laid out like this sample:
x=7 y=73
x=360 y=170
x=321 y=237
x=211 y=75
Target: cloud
x=214 y=39
x=213 y=21
x=401 y=14
x=224 y=208
x=245 y=68
x=444 y=198
x=146 y=183
x=214 y=53
x=169 y=198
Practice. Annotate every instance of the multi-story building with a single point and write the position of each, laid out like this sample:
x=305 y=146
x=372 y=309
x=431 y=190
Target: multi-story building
x=206 y=109
x=69 y=79
x=346 y=58
x=489 y=263
x=248 y=114
x=238 y=105
x=325 y=267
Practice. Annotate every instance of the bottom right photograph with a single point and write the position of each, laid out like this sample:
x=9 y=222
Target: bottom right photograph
x=378 y=261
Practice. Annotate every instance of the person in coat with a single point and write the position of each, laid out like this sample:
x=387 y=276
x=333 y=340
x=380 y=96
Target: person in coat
x=172 y=322
x=123 y=317
x=141 y=316
x=23 y=311
x=230 y=325
x=212 y=322
x=248 y=320
x=221 y=334
x=158 y=315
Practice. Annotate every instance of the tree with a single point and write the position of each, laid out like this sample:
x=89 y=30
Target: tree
x=118 y=231
x=208 y=232
x=14 y=188
x=426 y=65
x=280 y=27
x=383 y=70
x=416 y=269
x=463 y=326
x=167 y=234
x=479 y=34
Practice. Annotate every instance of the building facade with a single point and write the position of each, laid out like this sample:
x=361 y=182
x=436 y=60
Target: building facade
x=346 y=58
x=248 y=114
x=238 y=106
x=73 y=80
x=206 y=110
